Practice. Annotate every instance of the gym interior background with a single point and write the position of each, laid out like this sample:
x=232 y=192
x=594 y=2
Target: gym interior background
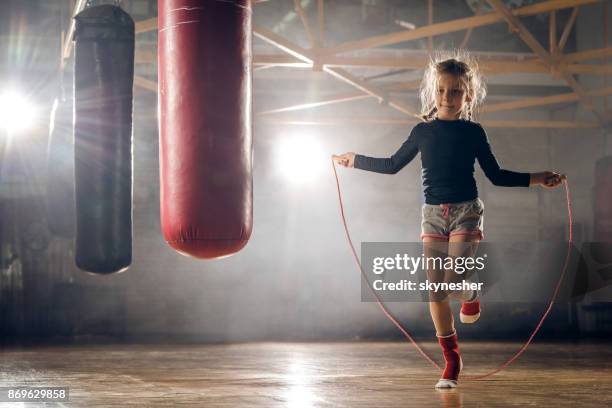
x=296 y=280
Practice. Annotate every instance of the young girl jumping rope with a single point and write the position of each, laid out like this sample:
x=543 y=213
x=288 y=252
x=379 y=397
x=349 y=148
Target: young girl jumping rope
x=450 y=142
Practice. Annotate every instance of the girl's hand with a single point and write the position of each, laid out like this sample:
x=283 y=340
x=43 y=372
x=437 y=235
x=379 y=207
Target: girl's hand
x=548 y=179
x=346 y=159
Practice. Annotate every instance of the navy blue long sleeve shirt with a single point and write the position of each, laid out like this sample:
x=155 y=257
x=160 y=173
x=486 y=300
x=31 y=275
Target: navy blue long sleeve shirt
x=448 y=152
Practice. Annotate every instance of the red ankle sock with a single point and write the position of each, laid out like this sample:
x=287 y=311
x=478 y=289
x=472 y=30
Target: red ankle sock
x=452 y=356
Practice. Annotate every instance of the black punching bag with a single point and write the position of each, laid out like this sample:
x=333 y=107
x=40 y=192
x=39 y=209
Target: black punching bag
x=103 y=79
x=60 y=171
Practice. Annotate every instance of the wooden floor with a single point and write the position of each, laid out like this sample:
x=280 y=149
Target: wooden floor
x=297 y=375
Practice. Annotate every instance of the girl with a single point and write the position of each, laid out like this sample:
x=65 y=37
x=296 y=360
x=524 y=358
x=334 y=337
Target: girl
x=449 y=143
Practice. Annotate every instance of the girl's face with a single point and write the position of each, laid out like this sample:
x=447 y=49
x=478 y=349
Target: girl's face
x=450 y=97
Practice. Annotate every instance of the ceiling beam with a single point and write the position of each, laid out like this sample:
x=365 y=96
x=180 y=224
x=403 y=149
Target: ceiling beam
x=144 y=26
x=376 y=92
x=145 y=83
x=552 y=32
x=451 y=26
x=546 y=124
x=324 y=53
x=587 y=69
x=304 y=17
x=330 y=101
x=597 y=53
x=468 y=33
x=487 y=108
x=341 y=98
x=363 y=86
x=283 y=44
x=540 y=101
x=489 y=67
x=568 y=29
x=149 y=55
x=520 y=29
x=321 y=24
x=305 y=56
x=333 y=65
x=529 y=102
x=422 y=32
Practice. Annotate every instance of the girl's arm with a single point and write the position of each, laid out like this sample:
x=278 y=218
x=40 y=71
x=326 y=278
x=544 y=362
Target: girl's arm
x=491 y=168
x=391 y=165
x=507 y=178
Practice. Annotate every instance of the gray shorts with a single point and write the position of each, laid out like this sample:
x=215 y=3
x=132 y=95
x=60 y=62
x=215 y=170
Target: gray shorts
x=446 y=220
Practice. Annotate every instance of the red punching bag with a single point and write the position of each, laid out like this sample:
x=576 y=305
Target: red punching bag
x=205 y=125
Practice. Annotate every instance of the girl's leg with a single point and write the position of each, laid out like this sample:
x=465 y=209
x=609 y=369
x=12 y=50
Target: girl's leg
x=441 y=314
x=461 y=245
x=439 y=305
x=442 y=317
x=465 y=246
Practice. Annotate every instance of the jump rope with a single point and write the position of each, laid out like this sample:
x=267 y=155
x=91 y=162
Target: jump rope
x=409 y=337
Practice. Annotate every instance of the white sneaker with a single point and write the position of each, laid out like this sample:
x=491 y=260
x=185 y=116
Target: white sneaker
x=443 y=383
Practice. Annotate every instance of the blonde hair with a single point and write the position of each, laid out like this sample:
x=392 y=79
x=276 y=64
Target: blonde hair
x=465 y=68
